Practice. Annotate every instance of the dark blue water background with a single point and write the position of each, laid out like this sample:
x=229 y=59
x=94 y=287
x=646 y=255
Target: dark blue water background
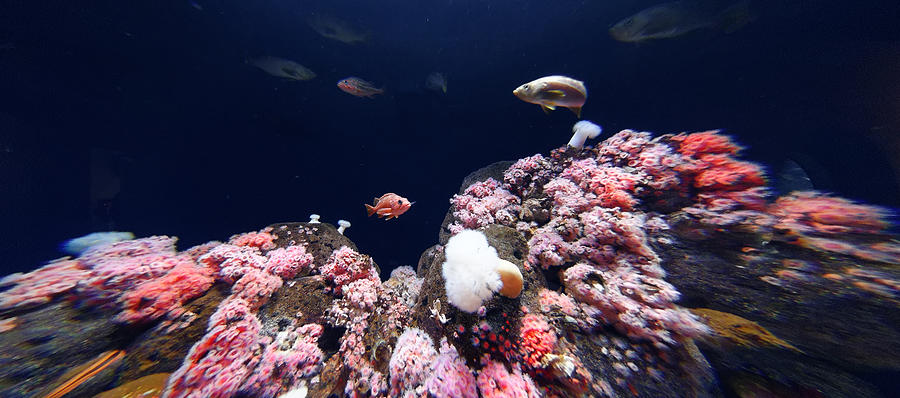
x=205 y=145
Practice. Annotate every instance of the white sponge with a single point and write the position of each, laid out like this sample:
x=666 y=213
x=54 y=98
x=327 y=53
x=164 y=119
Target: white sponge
x=470 y=272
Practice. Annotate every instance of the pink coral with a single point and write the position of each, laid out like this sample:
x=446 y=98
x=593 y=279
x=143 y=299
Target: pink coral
x=527 y=174
x=217 y=364
x=451 y=378
x=346 y=265
x=639 y=305
x=484 y=203
x=623 y=147
x=288 y=262
x=362 y=378
x=119 y=267
x=283 y=364
x=551 y=300
x=362 y=293
x=494 y=381
x=230 y=261
x=613 y=186
x=41 y=285
x=255 y=286
x=411 y=363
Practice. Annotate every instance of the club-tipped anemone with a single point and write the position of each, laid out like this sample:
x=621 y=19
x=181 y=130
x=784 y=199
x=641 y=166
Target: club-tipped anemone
x=583 y=130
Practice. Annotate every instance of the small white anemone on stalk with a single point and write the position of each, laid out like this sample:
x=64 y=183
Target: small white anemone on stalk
x=342 y=226
x=583 y=130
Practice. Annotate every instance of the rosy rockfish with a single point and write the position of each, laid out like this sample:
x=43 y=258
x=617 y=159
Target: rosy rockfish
x=358 y=87
x=389 y=205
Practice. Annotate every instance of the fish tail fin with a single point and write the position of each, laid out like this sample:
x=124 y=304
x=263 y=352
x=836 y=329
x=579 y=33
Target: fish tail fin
x=370 y=209
x=735 y=17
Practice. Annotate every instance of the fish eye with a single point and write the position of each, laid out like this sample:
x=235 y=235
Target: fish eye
x=525 y=86
x=629 y=21
x=399 y=202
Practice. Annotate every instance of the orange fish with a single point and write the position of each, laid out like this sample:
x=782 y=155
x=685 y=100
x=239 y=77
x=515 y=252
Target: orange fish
x=389 y=205
x=358 y=87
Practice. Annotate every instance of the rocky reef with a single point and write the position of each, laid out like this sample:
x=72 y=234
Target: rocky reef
x=650 y=267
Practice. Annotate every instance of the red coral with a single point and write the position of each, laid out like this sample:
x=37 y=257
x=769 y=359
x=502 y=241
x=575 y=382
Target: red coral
x=706 y=142
x=536 y=339
x=164 y=296
x=262 y=240
x=722 y=172
x=815 y=212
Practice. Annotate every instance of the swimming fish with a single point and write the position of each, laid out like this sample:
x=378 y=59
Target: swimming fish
x=552 y=91
x=436 y=81
x=285 y=68
x=674 y=19
x=358 y=87
x=81 y=244
x=336 y=29
x=389 y=205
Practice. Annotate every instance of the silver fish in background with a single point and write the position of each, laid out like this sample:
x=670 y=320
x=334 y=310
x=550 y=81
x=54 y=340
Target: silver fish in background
x=79 y=245
x=674 y=19
x=336 y=29
x=285 y=68
x=436 y=81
